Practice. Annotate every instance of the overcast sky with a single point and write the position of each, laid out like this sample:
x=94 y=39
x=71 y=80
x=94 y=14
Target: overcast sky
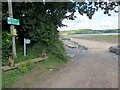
x=98 y=22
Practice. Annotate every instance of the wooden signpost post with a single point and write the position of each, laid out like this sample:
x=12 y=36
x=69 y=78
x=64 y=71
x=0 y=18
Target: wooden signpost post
x=12 y=22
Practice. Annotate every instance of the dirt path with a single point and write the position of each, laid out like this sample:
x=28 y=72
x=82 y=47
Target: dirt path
x=93 y=68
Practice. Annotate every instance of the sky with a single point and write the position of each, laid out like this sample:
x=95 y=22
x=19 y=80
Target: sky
x=99 y=21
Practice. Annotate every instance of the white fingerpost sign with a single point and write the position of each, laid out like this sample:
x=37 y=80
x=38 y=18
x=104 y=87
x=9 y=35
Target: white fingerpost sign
x=26 y=41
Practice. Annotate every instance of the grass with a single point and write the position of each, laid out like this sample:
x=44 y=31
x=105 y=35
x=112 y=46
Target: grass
x=9 y=78
x=89 y=31
x=54 y=63
x=102 y=35
x=0 y=42
x=65 y=39
x=56 y=58
x=80 y=31
x=35 y=50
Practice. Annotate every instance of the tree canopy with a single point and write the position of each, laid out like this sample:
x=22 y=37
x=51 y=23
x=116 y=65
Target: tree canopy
x=39 y=20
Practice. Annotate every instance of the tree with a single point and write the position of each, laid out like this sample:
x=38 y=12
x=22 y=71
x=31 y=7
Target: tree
x=39 y=20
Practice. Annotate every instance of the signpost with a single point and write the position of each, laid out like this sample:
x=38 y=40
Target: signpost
x=13 y=21
x=26 y=41
x=12 y=27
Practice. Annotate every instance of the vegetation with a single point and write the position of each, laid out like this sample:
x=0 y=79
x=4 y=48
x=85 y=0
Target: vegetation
x=39 y=22
x=6 y=45
x=57 y=58
x=80 y=31
x=112 y=31
x=90 y=31
x=9 y=78
x=104 y=35
x=40 y=25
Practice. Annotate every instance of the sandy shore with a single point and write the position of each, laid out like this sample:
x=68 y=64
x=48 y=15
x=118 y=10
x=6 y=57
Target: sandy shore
x=94 y=43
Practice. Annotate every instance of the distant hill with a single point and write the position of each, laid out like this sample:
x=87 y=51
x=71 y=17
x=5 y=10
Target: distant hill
x=90 y=31
x=111 y=31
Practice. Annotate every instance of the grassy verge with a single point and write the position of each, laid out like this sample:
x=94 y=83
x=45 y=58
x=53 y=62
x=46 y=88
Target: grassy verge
x=56 y=58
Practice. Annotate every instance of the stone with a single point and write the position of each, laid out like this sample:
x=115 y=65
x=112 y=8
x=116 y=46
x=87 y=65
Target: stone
x=72 y=44
x=82 y=47
x=115 y=49
x=118 y=51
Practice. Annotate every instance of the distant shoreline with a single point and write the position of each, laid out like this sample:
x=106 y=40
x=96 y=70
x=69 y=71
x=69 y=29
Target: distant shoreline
x=89 y=31
x=98 y=34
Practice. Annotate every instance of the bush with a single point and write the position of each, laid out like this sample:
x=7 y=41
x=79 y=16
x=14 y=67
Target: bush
x=6 y=46
x=58 y=50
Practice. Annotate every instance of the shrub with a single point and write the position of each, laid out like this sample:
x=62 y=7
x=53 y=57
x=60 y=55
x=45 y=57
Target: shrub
x=6 y=45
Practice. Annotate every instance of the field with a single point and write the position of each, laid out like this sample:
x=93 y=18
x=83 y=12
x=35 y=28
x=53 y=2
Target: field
x=81 y=31
x=89 y=31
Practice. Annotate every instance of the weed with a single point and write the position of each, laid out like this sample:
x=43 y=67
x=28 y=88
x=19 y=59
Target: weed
x=56 y=57
x=29 y=84
x=26 y=67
